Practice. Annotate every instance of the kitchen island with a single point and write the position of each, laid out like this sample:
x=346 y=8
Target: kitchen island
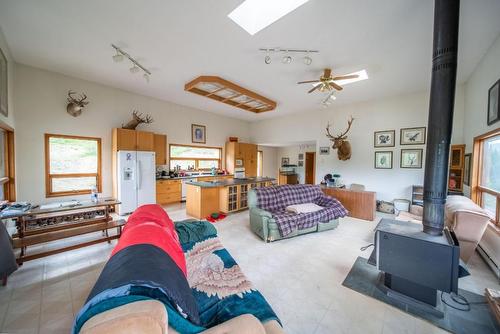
x=224 y=195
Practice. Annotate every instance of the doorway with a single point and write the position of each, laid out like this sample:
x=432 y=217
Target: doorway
x=310 y=167
x=7 y=167
x=260 y=163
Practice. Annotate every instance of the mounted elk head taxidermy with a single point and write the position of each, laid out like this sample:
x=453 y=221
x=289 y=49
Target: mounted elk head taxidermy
x=340 y=142
x=136 y=120
x=76 y=105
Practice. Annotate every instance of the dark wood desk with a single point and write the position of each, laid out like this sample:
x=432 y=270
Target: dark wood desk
x=361 y=204
x=38 y=226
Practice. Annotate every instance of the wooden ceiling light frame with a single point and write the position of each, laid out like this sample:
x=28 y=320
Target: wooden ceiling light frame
x=229 y=93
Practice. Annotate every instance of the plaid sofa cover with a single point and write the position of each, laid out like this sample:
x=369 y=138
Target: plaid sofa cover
x=275 y=199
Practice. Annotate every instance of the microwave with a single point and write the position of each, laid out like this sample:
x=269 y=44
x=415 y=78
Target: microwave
x=239 y=173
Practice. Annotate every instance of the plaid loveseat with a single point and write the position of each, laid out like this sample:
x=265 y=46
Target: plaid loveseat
x=270 y=220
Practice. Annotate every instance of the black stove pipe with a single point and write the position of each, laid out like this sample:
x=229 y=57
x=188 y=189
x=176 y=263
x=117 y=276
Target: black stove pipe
x=440 y=121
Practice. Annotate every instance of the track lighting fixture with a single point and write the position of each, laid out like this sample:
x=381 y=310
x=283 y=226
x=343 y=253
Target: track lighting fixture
x=136 y=66
x=287 y=58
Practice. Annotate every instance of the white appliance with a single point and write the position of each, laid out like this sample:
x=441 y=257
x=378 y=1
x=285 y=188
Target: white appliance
x=239 y=173
x=136 y=184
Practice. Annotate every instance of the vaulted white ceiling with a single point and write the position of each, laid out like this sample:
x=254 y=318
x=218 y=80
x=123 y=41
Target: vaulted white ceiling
x=180 y=40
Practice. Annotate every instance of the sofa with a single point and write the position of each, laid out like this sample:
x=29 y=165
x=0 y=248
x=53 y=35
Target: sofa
x=165 y=277
x=271 y=221
x=462 y=216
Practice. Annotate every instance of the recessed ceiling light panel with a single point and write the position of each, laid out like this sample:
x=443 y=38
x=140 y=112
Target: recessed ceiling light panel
x=255 y=15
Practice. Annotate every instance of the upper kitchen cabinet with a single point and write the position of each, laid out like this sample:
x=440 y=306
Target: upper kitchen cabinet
x=241 y=155
x=132 y=140
x=160 y=148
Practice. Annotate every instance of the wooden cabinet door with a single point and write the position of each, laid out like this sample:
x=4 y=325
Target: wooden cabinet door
x=160 y=145
x=125 y=140
x=144 y=141
x=250 y=160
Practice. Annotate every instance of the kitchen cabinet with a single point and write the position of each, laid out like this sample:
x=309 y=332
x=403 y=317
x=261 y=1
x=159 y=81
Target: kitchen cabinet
x=203 y=201
x=245 y=152
x=229 y=199
x=168 y=191
x=456 y=170
x=132 y=140
x=160 y=148
x=285 y=178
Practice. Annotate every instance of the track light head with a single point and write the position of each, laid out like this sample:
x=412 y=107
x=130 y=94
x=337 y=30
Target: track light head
x=286 y=59
x=267 y=59
x=146 y=77
x=307 y=60
x=118 y=57
x=134 y=69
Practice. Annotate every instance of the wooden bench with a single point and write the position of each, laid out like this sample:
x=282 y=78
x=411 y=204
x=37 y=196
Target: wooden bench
x=58 y=234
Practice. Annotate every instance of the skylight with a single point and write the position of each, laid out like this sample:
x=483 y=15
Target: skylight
x=255 y=15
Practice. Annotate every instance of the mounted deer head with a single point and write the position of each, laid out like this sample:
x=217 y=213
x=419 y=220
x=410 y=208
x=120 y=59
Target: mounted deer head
x=76 y=105
x=340 y=142
x=136 y=120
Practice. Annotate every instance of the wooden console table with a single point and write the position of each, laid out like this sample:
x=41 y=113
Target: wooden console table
x=38 y=226
x=361 y=204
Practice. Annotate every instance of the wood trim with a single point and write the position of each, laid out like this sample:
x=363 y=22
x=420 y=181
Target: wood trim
x=9 y=186
x=49 y=176
x=191 y=87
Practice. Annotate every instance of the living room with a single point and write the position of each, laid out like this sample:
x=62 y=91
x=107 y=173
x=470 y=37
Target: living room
x=93 y=74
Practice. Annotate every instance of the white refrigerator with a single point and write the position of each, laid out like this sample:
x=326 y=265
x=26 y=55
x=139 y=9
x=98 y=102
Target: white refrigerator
x=136 y=180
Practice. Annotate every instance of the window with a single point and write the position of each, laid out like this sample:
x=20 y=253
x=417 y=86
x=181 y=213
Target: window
x=72 y=165
x=486 y=173
x=195 y=157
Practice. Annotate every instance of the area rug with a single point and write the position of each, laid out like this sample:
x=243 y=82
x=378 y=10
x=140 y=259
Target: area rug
x=363 y=278
x=216 y=217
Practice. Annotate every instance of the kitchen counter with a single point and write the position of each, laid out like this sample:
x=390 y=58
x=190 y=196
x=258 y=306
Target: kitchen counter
x=192 y=177
x=229 y=182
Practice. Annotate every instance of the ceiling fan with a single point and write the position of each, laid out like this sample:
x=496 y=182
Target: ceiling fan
x=326 y=82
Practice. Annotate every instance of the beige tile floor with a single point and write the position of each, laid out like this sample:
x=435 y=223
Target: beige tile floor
x=300 y=277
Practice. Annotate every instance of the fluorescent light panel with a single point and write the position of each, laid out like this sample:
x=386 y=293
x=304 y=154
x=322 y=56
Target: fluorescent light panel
x=255 y=15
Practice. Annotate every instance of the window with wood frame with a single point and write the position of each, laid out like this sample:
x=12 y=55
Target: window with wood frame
x=7 y=166
x=72 y=165
x=195 y=157
x=485 y=185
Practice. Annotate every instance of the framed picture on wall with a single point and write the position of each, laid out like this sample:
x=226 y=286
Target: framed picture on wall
x=383 y=160
x=285 y=161
x=198 y=134
x=301 y=163
x=384 y=138
x=411 y=158
x=301 y=156
x=412 y=136
x=493 y=103
x=324 y=150
x=467 y=162
x=3 y=85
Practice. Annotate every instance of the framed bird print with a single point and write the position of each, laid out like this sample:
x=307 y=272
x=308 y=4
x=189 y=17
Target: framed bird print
x=411 y=158
x=412 y=136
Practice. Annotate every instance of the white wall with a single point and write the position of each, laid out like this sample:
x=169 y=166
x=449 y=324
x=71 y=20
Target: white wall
x=269 y=161
x=10 y=85
x=385 y=114
x=40 y=98
x=483 y=77
x=292 y=152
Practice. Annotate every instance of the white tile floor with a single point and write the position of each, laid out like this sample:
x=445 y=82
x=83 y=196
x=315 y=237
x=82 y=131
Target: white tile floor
x=300 y=277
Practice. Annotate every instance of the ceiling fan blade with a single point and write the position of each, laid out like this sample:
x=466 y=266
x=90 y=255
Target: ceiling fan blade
x=334 y=85
x=310 y=81
x=314 y=88
x=327 y=73
x=344 y=77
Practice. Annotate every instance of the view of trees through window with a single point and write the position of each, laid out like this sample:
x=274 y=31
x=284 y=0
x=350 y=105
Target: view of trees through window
x=194 y=157
x=73 y=163
x=490 y=171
